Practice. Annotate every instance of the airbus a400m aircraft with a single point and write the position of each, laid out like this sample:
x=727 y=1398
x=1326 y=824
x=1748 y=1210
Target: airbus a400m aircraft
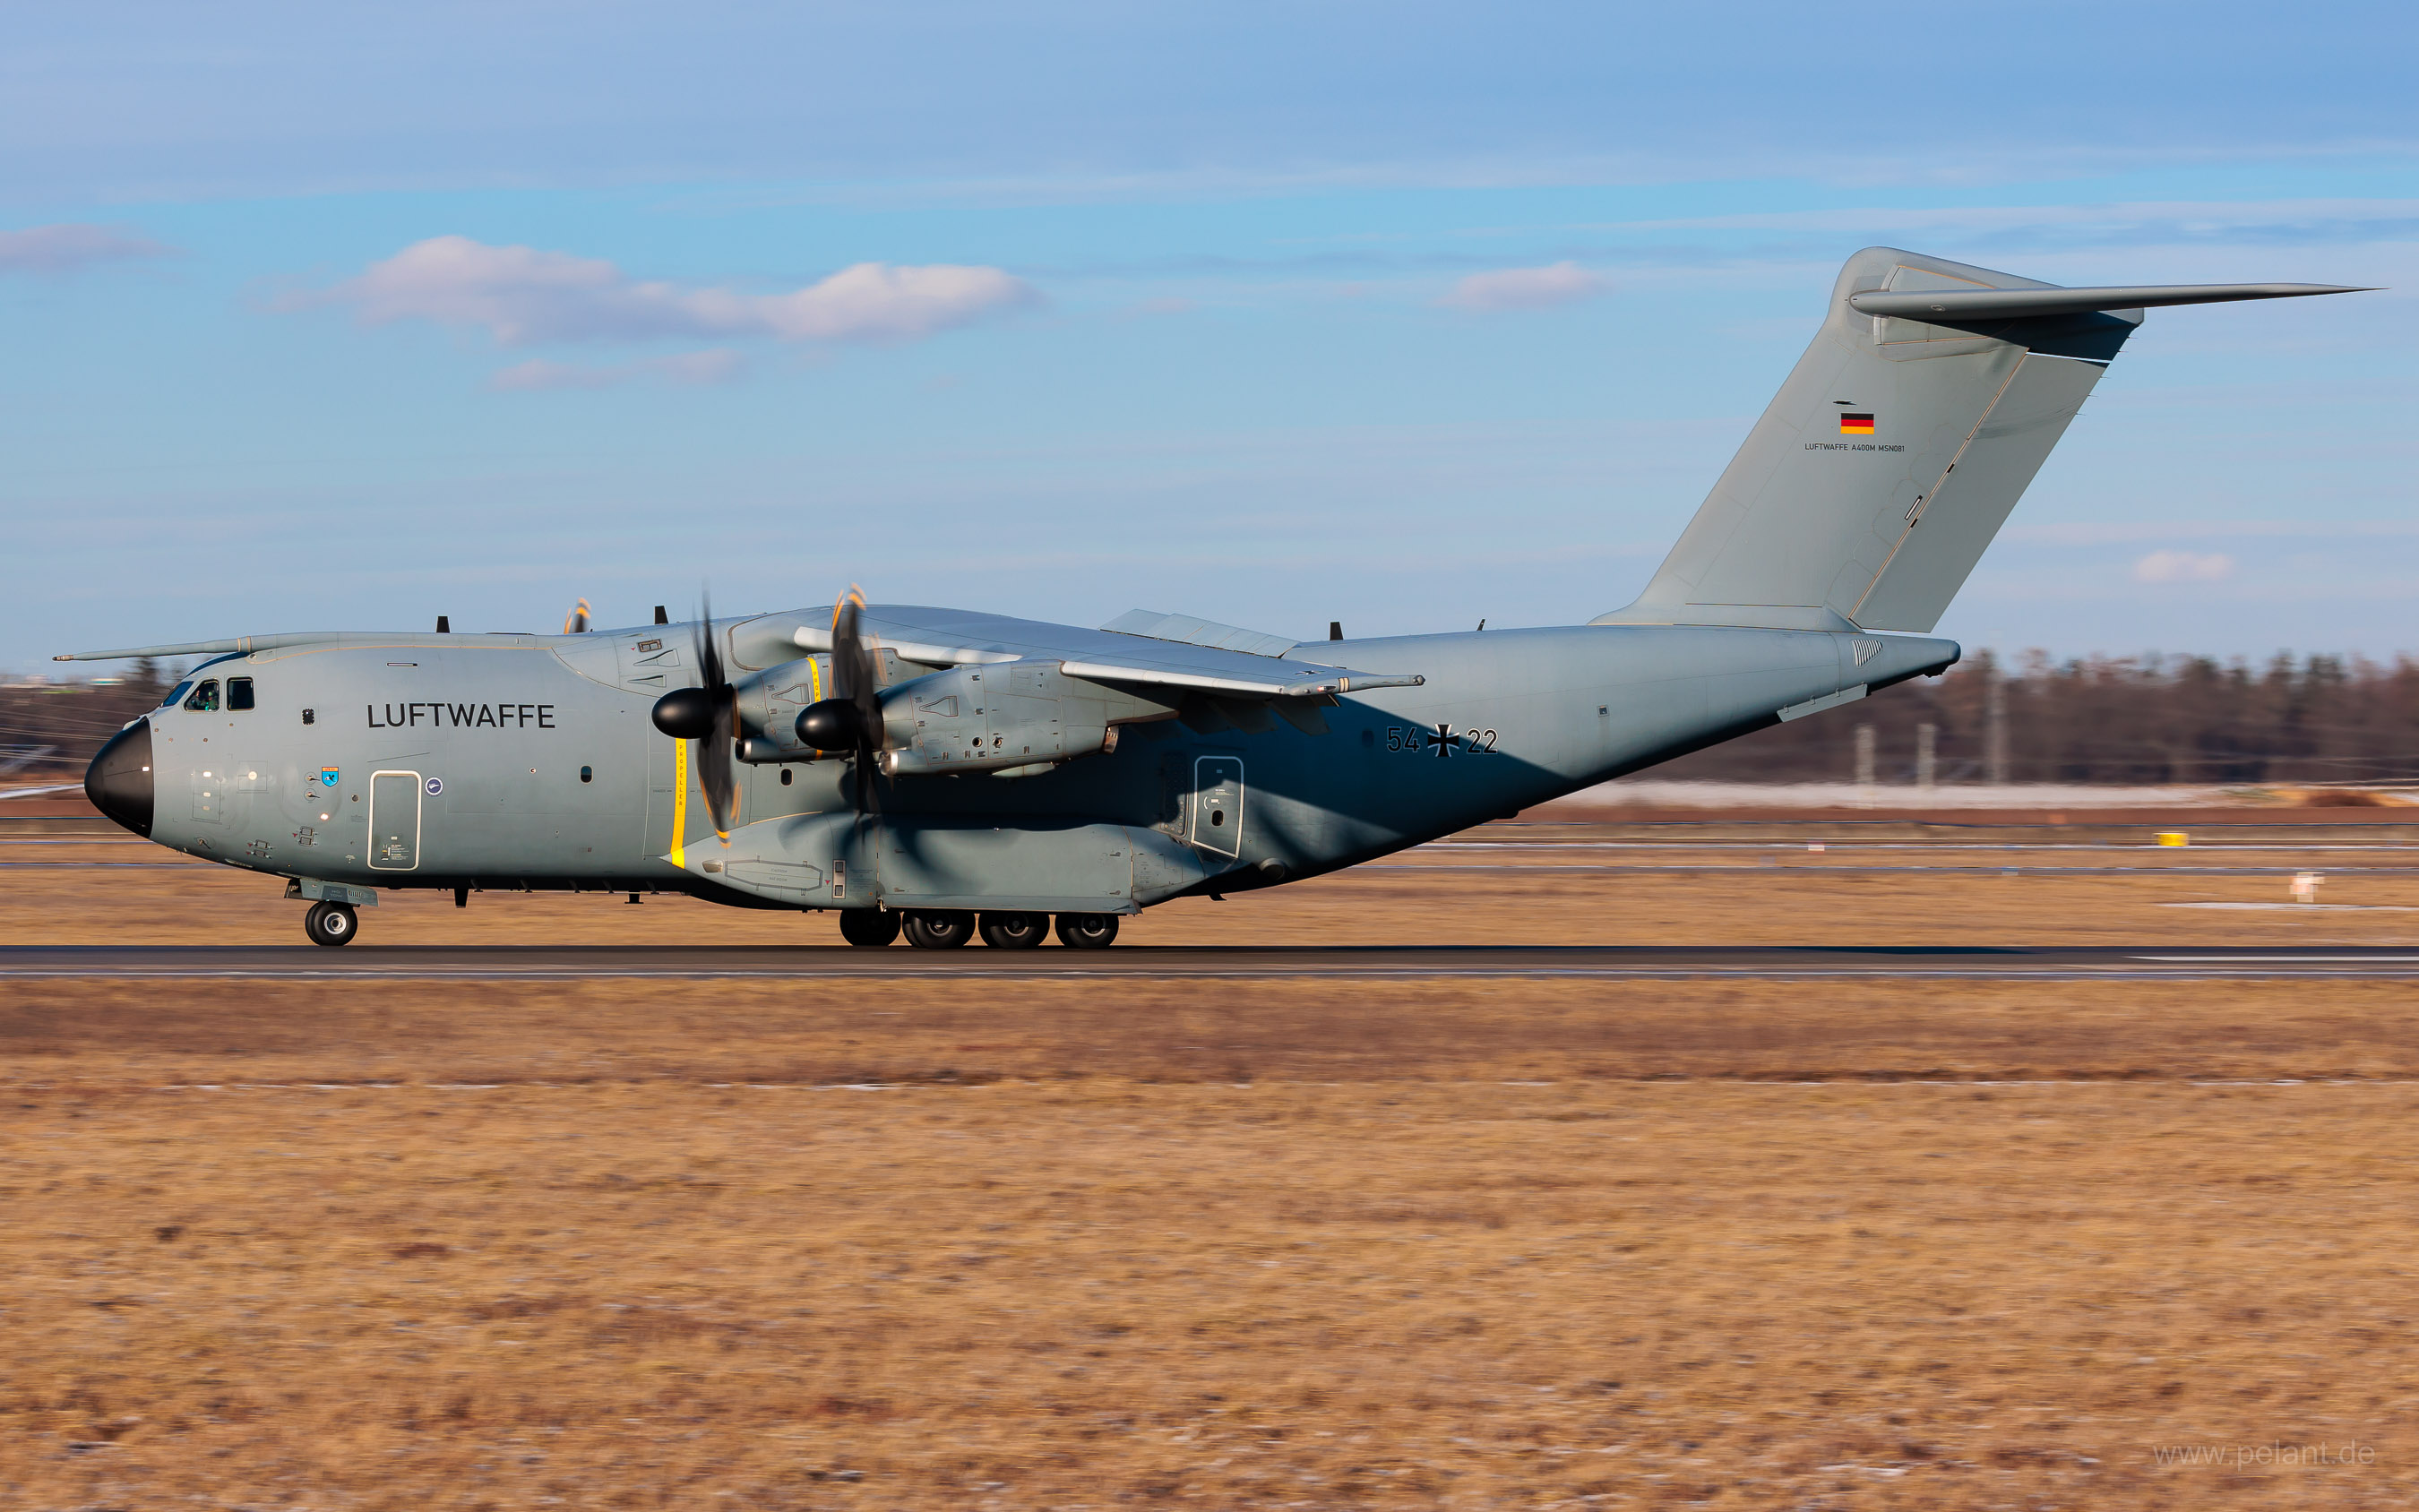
x=955 y=772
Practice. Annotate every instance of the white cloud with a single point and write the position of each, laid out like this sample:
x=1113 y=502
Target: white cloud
x=523 y=296
x=1526 y=288
x=2184 y=567
x=718 y=365
x=70 y=246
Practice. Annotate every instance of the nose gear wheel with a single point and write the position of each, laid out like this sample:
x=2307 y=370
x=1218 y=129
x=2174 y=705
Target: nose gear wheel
x=331 y=923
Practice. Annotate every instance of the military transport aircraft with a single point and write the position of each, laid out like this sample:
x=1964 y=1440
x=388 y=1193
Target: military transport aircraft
x=955 y=772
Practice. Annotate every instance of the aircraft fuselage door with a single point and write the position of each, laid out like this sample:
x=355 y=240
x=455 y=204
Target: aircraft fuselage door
x=395 y=821
x=1218 y=804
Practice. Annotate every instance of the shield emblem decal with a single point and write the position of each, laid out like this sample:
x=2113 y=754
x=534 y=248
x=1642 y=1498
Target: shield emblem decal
x=328 y=776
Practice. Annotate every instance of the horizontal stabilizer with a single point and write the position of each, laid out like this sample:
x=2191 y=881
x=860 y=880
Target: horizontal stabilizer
x=2017 y=303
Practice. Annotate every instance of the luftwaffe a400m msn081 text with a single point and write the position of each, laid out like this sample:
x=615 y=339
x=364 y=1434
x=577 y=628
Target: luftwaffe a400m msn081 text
x=955 y=772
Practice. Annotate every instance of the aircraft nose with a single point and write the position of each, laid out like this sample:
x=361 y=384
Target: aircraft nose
x=119 y=782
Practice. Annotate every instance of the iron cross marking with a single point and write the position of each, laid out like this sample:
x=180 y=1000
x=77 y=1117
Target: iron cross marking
x=1441 y=742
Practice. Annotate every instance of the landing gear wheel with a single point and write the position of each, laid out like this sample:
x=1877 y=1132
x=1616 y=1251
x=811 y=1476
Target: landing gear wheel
x=1087 y=932
x=1015 y=931
x=331 y=924
x=938 y=929
x=869 y=926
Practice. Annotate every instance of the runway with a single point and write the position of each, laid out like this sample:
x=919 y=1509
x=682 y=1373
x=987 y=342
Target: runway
x=373 y=963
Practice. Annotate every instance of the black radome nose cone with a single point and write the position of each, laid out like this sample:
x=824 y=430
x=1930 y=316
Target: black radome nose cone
x=119 y=782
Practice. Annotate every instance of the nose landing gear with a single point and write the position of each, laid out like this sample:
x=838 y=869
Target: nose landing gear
x=331 y=924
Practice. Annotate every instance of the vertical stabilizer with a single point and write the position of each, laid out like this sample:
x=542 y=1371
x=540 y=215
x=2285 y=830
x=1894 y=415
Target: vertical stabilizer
x=1898 y=444
x=1888 y=459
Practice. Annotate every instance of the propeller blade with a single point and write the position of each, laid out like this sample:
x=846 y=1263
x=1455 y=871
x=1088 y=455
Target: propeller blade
x=855 y=679
x=576 y=623
x=709 y=656
x=851 y=666
x=715 y=745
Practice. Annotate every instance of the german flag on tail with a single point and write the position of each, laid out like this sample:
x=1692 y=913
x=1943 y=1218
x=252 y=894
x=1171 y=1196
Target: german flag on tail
x=1855 y=424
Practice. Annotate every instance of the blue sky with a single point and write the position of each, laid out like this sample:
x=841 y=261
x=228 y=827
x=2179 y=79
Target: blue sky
x=1399 y=315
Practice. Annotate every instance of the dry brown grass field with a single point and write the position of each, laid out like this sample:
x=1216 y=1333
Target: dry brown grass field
x=1133 y=1243
x=1502 y=884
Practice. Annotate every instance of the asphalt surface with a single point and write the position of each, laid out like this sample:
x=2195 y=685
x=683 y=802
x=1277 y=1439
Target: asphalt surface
x=368 y=962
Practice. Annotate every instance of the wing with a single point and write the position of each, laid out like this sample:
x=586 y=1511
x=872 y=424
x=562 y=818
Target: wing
x=957 y=638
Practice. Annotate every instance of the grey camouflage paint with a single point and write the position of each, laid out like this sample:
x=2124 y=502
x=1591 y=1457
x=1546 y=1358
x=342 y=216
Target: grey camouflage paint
x=531 y=762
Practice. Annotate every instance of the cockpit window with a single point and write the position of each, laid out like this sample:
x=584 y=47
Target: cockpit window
x=205 y=699
x=176 y=694
x=239 y=692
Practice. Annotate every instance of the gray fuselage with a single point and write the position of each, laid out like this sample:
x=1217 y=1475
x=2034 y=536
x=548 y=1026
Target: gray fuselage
x=529 y=761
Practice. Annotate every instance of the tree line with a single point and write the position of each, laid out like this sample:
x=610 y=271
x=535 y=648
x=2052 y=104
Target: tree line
x=2111 y=719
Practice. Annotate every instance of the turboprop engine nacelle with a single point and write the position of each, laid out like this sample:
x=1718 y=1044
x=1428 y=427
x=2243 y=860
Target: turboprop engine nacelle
x=997 y=717
x=769 y=704
x=1011 y=718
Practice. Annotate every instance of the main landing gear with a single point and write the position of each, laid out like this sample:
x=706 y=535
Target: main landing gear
x=938 y=929
x=946 y=929
x=869 y=926
x=331 y=924
x=1087 y=932
x=1015 y=931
